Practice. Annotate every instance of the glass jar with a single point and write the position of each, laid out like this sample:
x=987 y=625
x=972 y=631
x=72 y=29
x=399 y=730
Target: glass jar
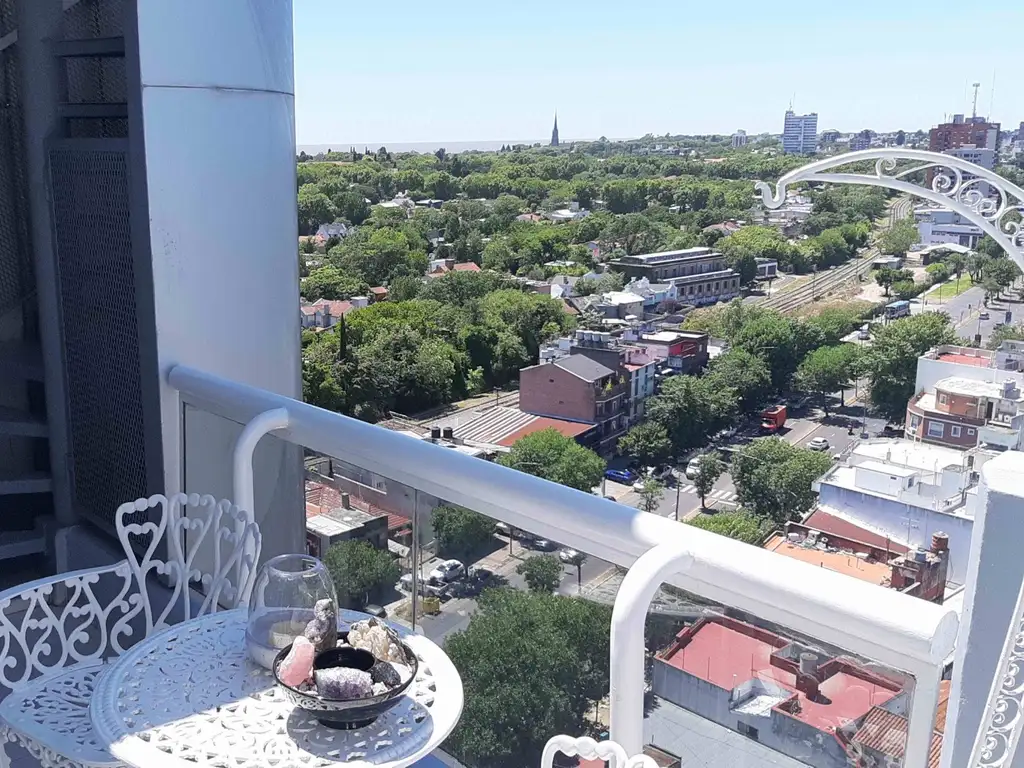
x=283 y=596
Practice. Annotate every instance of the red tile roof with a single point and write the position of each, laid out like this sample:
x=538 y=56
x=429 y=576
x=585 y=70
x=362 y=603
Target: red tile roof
x=952 y=357
x=837 y=526
x=468 y=266
x=336 y=308
x=726 y=653
x=886 y=733
x=380 y=290
x=322 y=498
x=567 y=428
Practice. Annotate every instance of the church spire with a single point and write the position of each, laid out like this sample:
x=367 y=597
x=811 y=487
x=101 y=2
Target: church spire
x=554 y=132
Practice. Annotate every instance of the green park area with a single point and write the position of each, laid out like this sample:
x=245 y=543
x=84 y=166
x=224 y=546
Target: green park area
x=950 y=288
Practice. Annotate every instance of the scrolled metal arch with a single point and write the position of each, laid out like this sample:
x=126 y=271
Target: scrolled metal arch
x=947 y=189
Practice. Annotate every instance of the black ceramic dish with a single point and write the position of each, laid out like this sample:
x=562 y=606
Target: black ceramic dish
x=354 y=713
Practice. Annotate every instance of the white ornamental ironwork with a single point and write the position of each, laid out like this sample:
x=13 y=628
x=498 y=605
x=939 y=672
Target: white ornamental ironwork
x=984 y=198
x=610 y=752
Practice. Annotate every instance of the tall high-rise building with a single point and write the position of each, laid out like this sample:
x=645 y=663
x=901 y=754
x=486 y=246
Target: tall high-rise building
x=739 y=139
x=554 y=132
x=800 y=133
x=976 y=131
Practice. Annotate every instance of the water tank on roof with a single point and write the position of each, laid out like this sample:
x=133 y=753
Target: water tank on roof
x=920 y=556
x=435 y=433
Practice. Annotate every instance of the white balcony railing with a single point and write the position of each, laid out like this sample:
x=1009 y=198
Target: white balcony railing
x=885 y=626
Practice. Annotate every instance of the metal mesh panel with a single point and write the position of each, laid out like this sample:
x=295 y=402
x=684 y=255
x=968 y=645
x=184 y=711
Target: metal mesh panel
x=95 y=80
x=97 y=293
x=93 y=18
x=15 y=255
x=97 y=128
x=6 y=16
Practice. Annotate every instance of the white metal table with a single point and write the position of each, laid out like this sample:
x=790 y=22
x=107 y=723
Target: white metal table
x=190 y=696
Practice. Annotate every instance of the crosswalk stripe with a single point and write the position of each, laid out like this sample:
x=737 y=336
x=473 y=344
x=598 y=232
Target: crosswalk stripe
x=689 y=489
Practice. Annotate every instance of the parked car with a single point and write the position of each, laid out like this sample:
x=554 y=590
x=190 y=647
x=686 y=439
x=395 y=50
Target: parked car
x=726 y=434
x=983 y=315
x=818 y=444
x=544 y=545
x=503 y=528
x=449 y=570
x=663 y=473
x=479 y=573
x=801 y=402
x=692 y=467
x=376 y=610
x=864 y=334
x=568 y=555
x=624 y=476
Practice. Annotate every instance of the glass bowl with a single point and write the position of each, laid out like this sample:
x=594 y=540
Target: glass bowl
x=284 y=593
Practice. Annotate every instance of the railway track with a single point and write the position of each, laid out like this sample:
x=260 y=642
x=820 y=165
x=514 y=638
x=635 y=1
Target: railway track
x=822 y=285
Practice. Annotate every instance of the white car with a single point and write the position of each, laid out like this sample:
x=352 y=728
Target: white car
x=692 y=468
x=449 y=570
x=818 y=444
x=568 y=555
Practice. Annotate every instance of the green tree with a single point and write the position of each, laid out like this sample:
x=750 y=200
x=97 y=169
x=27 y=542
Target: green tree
x=956 y=263
x=332 y=283
x=690 y=409
x=557 y=458
x=358 y=569
x=577 y=559
x=647 y=443
x=737 y=524
x=460 y=531
x=828 y=369
x=833 y=323
x=891 y=362
x=315 y=208
x=899 y=238
x=748 y=375
x=905 y=289
x=772 y=338
x=990 y=247
x=709 y=469
x=543 y=573
x=651 y=493
x=351 y=206
x=553 y=653
x=773 y=478
x=744 y=263
x=404 y=288
x=886 y=276
x=1002 y=272
x=1003 y=333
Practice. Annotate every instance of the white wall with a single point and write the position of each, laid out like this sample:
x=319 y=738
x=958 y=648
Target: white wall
x=219 y=125
x=930 y=372
x=903 y=523
x=994 y=578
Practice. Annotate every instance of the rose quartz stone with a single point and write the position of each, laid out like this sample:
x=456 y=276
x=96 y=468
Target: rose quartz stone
x=297 y=666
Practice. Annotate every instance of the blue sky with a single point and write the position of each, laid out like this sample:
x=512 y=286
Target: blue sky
x=461 y=70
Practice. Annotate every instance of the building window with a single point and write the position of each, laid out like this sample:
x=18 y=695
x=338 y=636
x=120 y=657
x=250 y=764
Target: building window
x=942 y=398
x=700 y=289
x=691 y=290
x=936 y=429
x=954 y=431
x=970 y=431
x=718 y=287
x=747 y=730
x=914 y=421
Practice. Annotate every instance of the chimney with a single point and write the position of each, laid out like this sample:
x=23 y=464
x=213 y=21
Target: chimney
x=940 y=542
x=448 y=433
x=346 y=501
x=358 y=302
x=808 y=664
x=435 y=433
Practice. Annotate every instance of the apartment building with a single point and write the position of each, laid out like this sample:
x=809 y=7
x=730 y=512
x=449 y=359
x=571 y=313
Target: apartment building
x=969 y=398
x=699 y=275
x=800 y=133
x=976 y=131
x=941 y=226
x=739 y=139
x=577 y=388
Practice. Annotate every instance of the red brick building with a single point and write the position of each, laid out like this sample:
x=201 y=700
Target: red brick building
x=577 y=388
x=962 y=412
x=954 y=135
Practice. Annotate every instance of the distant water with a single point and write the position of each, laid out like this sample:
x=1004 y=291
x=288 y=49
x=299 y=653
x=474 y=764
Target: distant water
x=422 y=147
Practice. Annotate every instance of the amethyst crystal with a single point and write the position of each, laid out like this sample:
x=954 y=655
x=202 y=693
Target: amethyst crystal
x=343 y=683
x=383 y=672
x=322 y=631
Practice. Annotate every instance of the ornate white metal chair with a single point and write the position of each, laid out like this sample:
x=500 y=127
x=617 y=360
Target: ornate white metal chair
x=56 y=634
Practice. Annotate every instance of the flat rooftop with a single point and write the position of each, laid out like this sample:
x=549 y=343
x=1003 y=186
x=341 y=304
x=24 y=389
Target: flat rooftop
x=908 y=453
x=726 y=657
x=958 y=385
x=840 y=562
x=663 y=256
x=978 y=359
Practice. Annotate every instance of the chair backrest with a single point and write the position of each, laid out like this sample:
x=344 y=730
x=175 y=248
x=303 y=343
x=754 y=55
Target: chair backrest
x=65 y=619
x=208 y=544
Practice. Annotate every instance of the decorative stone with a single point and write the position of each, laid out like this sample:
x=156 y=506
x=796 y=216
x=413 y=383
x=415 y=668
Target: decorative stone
x=297 y=666
x=379 y=688
x=404 y=671
x=322 y=631
x=343 y=683
x=384 y=672
x=377 y=638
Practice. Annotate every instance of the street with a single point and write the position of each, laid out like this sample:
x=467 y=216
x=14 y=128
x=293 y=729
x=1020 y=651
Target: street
x=966 y=309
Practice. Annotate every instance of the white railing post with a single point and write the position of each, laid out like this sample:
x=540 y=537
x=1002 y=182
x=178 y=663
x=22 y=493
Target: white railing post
x=244 y=494
x=629 y=617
